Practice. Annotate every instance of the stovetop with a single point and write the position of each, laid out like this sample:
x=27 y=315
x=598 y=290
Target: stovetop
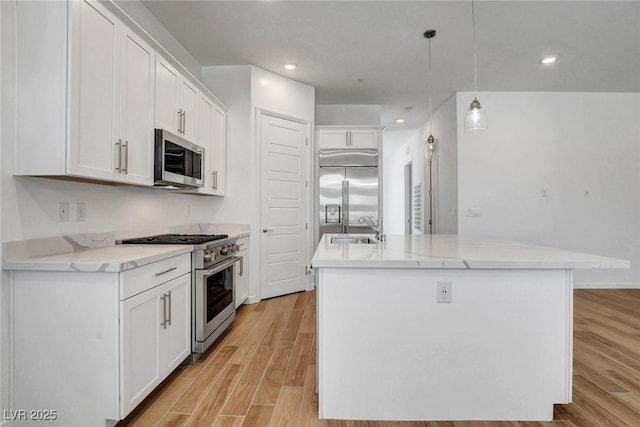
x=176 y=239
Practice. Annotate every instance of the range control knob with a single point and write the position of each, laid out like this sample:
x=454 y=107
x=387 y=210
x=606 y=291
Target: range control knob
x=207 y=256
x=224 y=251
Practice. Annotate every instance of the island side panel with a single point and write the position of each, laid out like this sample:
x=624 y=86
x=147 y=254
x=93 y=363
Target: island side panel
x=65 y=335
x=388 y=351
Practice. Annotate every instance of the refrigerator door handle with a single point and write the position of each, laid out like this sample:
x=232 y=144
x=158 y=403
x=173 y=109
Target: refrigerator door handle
x=344 y=204
x=347 y=210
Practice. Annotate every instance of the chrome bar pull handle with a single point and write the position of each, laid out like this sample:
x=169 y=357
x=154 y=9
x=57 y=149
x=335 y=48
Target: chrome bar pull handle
x=164 y=311
x=119 y=154
x=165 y=271
x=241 y=266
x=169 y=304
x=180 y=120
x=125 y=148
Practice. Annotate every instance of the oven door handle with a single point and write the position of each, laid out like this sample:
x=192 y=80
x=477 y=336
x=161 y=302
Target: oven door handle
x=220 y=267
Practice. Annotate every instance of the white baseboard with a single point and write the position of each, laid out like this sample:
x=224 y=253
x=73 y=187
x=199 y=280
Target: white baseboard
x=252 y=300
x=606 y=285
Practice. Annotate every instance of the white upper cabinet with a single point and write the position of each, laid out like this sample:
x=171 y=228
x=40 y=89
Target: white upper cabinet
x=188 y=95
x=212 y=136
x=95 y=59
x=136 y=110
x=219 y=150
x=103 y=129
x=348 y=137
x=168 y=114
x=176 y=101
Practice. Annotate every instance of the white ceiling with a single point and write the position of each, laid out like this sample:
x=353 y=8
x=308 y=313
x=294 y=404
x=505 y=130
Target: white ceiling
x=336 y=43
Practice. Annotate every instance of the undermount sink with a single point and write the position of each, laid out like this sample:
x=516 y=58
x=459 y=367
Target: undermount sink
x=359 y=240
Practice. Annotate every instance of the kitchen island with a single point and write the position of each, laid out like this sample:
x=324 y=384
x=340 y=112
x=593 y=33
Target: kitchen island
x=498 y=348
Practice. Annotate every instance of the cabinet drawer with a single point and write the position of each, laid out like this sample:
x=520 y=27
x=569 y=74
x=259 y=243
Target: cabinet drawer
x=243 y=243
x=140 y=279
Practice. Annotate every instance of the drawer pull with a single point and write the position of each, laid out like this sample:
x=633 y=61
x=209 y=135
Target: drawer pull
x=166 y=271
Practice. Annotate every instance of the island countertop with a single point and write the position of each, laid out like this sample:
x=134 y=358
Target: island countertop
x=452 y=251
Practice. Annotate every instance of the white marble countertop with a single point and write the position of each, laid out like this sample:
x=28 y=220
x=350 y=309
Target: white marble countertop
x=106 y=259
x=452 y=251
x=98 y=252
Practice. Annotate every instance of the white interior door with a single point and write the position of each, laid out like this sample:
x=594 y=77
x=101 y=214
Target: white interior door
x=283 y=206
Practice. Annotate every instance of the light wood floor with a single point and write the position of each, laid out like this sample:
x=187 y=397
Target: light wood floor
x=262 y=371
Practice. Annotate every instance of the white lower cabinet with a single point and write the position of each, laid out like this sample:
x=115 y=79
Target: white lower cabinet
x=154 y=338
x=241 y=279
x=92 y=346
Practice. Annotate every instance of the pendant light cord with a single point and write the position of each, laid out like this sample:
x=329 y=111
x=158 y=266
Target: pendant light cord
x=430 y=106
x=475 y=66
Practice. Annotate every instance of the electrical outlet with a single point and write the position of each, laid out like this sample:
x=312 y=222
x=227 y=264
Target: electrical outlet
x=444 y=291
x=63 y=211
x=81 y=212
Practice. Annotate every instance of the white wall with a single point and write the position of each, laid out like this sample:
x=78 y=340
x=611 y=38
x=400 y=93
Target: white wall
x=347 y=114
x=556 y=169
x=400 y=148
x=7 y=132
x=245 y=89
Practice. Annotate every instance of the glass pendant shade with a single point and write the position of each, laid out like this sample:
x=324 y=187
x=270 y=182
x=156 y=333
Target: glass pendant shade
x=476 y=120
x=429 y=146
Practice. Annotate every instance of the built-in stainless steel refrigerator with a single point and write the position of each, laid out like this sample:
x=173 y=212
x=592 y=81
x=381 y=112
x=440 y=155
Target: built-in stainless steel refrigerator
x=347 y=189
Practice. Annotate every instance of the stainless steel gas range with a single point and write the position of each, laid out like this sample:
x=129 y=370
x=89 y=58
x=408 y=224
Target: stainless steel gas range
x=212 y=288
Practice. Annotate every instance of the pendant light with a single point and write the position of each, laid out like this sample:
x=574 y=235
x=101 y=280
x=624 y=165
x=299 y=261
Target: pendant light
x=476 y=120
x=430 y=144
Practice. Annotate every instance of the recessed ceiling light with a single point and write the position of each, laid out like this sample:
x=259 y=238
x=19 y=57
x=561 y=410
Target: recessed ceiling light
x=549 y=60
x=290 y=66
x=399 y=120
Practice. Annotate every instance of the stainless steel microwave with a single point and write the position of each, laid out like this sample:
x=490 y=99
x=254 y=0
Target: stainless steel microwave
x=178 y=162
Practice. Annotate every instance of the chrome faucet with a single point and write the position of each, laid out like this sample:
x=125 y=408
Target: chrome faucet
x=374 y=224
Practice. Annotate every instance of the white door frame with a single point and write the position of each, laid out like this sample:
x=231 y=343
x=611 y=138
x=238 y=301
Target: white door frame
x=309 y=246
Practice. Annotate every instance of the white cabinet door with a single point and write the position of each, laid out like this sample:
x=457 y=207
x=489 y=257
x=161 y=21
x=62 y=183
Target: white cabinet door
x=241 y=290
x=168 y=114
x=219 y=150
x=155 y=334
x=175 y=336
x=363 y=138
x=333 y=138
x=95 y=56
x=188 y=103
x=136 y=110
x=140 y=370
x=347 y=138
x=205 y=139
x=176 y=101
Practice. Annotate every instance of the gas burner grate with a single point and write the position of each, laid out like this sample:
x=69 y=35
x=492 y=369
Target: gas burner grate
x=176 y=239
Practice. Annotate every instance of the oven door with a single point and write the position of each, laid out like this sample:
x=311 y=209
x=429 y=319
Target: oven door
x=213 y=297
